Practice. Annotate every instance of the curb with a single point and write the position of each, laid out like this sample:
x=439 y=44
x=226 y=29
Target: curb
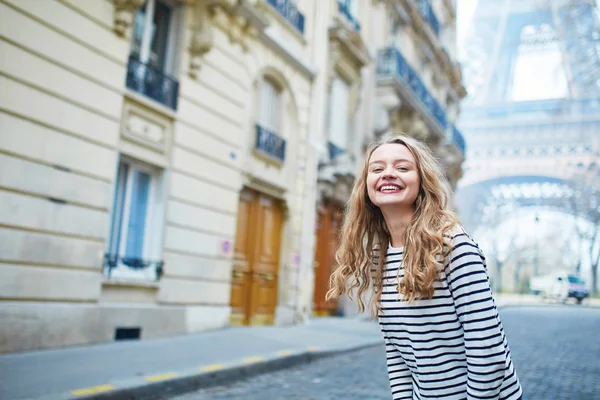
x=191 y=380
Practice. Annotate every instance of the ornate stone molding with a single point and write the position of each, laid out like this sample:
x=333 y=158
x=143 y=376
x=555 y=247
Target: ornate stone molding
x=124 y=11
x=408 y=121
x=335 y=178
x=239 y=19
x=347 y=51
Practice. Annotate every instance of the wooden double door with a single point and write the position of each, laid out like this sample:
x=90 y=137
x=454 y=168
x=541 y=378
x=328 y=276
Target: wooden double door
x=329 y=221
x=256 y=259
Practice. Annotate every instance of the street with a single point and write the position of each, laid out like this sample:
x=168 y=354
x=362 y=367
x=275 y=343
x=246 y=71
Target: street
x=555 y=350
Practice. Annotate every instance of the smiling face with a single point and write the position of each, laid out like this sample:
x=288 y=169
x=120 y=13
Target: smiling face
x=392 y=177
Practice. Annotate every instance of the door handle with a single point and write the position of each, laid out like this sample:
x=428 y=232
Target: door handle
x=237 y=273
x=267 y=276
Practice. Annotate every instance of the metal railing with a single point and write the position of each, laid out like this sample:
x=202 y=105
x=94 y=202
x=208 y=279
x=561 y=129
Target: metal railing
x=458 y=140
x=429 y=16
x=270 y=143
x=289 y=11
x=344 y=8
x=391 y=63
x=334 y=150
x=152 y=82
x=112 y=261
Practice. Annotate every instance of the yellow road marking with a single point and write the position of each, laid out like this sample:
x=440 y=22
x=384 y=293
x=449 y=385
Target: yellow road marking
x=285 y=352
x=157 y=378
x=212 y=367
x=250 y=360
x=92 y=390
x=313 y=348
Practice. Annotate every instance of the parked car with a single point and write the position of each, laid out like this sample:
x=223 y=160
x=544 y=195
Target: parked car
x=560 y=286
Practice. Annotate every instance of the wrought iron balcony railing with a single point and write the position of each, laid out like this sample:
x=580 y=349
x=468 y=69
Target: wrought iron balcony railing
x=458 y=140
x=152 y=82
x=429 y=16
x=270 y=143
x=112 y=261
x=289 y=11
x=391 y=63
x=345 y=10
x=334 y=150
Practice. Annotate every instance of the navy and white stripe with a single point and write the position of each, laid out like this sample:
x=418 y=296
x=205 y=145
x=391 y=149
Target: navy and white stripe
x=453 y=345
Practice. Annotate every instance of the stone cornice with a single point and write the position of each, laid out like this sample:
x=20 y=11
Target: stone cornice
x=347 y=43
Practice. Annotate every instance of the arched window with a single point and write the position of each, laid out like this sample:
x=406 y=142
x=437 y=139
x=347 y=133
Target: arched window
x=339 y=113
x=269 y=114
x=269 y=137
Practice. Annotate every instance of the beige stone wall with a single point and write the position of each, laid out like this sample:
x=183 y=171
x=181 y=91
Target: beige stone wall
x=65 y=118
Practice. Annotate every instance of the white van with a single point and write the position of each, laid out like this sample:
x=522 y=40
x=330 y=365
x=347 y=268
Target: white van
x=560 y=286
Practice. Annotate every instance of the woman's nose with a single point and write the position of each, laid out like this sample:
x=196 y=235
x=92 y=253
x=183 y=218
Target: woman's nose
x=388 y=173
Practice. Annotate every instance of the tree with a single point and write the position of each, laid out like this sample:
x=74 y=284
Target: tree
x=494 y=214
x=584 y=205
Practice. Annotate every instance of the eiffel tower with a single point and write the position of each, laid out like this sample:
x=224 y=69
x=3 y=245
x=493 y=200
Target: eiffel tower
x=532 y=116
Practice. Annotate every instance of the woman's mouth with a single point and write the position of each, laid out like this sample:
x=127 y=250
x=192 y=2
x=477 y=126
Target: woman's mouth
x=389 y=188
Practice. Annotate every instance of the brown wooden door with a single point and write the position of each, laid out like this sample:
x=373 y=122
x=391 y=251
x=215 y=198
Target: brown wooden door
x=256 y=260
x=328 y=229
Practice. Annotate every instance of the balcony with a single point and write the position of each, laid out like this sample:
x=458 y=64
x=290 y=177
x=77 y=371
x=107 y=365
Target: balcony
x=270 y=144
x=345 y=10
x=458 y=140
x=152 y=82
x=334 y=150
x=392 y=65
x=428 y=15
x=288 y=10
x=112 y=261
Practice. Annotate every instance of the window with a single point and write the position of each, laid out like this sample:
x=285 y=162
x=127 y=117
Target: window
x=134 y=246
x=339 y=113
x=153 y=51
x=270 y=106
x=153 y=34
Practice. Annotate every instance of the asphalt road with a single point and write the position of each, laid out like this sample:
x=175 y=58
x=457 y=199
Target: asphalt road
x=555 y=349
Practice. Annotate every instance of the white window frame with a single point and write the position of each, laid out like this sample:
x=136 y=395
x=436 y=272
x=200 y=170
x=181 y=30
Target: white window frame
x=173 y=38
x=152 y=226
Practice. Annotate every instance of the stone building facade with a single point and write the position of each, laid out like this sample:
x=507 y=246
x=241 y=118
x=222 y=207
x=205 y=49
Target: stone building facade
x=168 y=166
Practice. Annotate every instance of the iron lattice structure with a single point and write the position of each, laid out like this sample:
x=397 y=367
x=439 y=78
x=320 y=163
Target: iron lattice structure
x=532 y=117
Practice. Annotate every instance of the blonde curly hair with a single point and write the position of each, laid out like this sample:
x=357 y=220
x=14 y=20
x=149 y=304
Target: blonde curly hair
x=365 y=237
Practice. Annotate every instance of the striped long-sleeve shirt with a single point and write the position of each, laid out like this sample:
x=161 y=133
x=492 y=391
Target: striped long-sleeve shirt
x=453 y=345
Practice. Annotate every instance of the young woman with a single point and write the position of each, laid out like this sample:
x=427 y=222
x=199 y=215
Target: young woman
x=427 y=279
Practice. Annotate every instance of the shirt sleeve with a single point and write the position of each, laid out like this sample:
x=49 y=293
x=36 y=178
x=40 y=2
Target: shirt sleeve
x=484 y=336
x=398 y=372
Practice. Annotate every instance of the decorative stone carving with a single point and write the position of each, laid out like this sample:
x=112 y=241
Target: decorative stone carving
x=347 y=52
x=124 y=11
x=240 y=20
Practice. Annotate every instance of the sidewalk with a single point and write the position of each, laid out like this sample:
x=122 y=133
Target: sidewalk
x=163 y=367
x=120 y=370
